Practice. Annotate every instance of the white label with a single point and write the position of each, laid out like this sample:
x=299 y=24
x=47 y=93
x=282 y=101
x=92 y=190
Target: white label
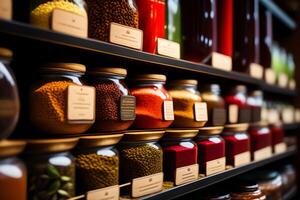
x=262 y=153
x=233 y=113
x=215 y=166
x=270 y=76
x=273 y=116
x=221 y=61
x=200 y=112
x=70 y=23
x=6 y=9
x=168 y=111
x=242 y=159
x=280 y=148
x=288 y=115
x=147 y=185
x=292 y=84
x=168 y=48
x=283 y=80
x=256 y=71
x=126 y=36
x=186 y=174
x=81 y=103
x=108 y=193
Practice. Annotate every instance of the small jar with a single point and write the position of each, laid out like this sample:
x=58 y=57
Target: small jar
x=189 y=110
x=97 y=162
x=9 y=97
x=154 y=105
x=237 y=144
x=54 y=97
x=255 y=103
x=247 y=190
x=179 y=151
x=13 y=174
x=288 y=175
x=115 y=107
x=277 y=133
x=51 y=168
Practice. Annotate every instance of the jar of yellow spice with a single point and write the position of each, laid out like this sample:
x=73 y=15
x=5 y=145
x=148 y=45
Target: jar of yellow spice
x=59 y=102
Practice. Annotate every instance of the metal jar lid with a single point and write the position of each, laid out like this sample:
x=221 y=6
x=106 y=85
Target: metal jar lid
x=99 y=140
x=65 y=67
x=181 y=133
x=107 y=71
x=150 y=77
x=212 y=130
x=11 y=147
x=134 y=136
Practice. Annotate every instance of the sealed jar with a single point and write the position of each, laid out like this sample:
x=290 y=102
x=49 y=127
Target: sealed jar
x=173 y=22
x=255 y=102
x=179 y=151
x=103 y=13
x=154 y=105
x=97 y=162
x=189 y=110
x=247 y=190
x=13 y=173
x=115 y=107
x=215 y=195
x=9 y=97
x=54 y=100
x=277 y=133
x=51 y=168
x=288 y=175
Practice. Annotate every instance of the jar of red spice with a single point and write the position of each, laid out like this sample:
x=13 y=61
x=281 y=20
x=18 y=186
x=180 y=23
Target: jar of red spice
x=115 y=107
x=154 y=105
x=255 y=103
x=237 y=144
x=277 y=132
x=180 y=156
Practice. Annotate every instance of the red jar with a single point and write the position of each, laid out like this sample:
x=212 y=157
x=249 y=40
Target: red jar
x=152 y=22
x=278 y=144
x=255 y=103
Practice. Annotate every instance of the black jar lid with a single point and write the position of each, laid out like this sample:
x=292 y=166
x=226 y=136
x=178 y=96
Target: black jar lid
x=246 y=186
x=150 y=77
x=63 y=67
x=236 y=127
x=99 y=140
x=135 y=136
x=180 y=133
x=107 y=71
x=11 y=147
x=5 y=53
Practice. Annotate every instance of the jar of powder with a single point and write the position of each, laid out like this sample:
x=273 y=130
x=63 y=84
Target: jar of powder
x=59 y=102
x=115 y=107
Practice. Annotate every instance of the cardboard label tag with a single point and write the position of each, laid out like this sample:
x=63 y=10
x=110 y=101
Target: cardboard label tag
x=200 y=111
x=242 y=159
x=221 y=61
x=6 y=9
x=126 y=36
x=287 y=115
x=147 y=185
x=280 y=148
x=168 y=48
x=292 y=84
x=81 y=103
x=270 y=76
x=256 y=114
x=262 y=153
x=273 y=116
x=233 y=113
x=215 y=166
x=127 y=108
x=256 y=71
x=108 y=193
x=218 y=116
x=70 y=23
x=283 y=80
x=168 y=111
x=186 y=174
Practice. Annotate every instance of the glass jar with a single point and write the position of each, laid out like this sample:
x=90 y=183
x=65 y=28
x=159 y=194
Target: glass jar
x=237 y=144
x=247 y=190
x=54 y=97
x=199 y=29
x=179 y=151
x=266 y=36
x=288 y=175
x=154 y=105
x=188 y=109
x=115 y=107
x=97 y=162
x=173 y=20
x=215 y=105
x=13 y=174
x=51 y=168
x=152 y=22
x=255 y=102
x=102 y=13
x=9 y=97
x=277 y=133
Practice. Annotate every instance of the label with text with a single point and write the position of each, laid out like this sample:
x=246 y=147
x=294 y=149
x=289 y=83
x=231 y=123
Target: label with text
x=127 y=108
x=256 y=71
x=108 y=193
x=221 y=61
x=270 y=76
x=147 y=185
x=262 y=153
x=168 y=48
x=6 y=9
x=280 y=148
x=283 y=80
x=242 y=159
x=233 y=113
x=186 y=174
x=168 y=111
x=215 y=166
x=200 y=111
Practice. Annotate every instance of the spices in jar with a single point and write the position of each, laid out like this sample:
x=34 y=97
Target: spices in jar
x=54 y=100
x=189 y=110
x=277 y=133
x=115 y=107
x=13 y=173
x=255 y=103
x=51 y=168
x=247 y=190
x=154 y=105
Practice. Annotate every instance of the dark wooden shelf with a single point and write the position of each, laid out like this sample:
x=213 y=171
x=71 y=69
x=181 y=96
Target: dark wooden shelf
x=292 y=126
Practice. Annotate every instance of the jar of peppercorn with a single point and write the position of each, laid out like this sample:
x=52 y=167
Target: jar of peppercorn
x=115 y=107
x=154 y=105
x=247 y=190
x=180 y=156
x=277 y=133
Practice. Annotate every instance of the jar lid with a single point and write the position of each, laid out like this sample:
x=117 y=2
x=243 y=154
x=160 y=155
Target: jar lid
x=150 y=77
x=99 y=140
x=264 y=175
x=4 y=52
x=236 y=127
x=260 y=124
x=191 y=82
x=212 y=130
x=246 y=186
x=50 y=145
x=71 y=67
x=108 y=71
x=11 y=147
x=178 y=133
x=134 y=136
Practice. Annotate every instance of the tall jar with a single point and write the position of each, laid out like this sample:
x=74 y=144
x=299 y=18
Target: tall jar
x=152 y=22
x=189 y=110
x=247 y=190
x=173 y=23
x=97 y=162
x=154 y=105
x=13 y=173
x=9 y=97
x=255 y=103
x=54 y=97
x=51 y=168
x=115 y=107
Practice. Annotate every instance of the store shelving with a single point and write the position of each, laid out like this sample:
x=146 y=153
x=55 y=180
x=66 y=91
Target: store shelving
x=292 y=126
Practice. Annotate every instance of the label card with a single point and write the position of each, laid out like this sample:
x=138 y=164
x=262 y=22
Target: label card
x=186 y=174
x=287 y=115
x=262 y=153
x=283 y=80
x=168 y=48
x=147 y=185
x=218 y=116
x=81 y=103
x=242 y=159
x=126 y=36
x=233 y=113
x=200 y=112
x=108 y=193
x=256 y=71
x=127 y=108
x=70 y=23
x=221 y=61
x=168 y=111
x=292 y=84
x=280 y=148
x=215 y=166
x=6 y=9
x=273 y=116
x=270 y=76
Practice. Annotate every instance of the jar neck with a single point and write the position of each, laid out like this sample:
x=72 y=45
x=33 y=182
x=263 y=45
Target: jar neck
x=149 y=83
x=74 y=77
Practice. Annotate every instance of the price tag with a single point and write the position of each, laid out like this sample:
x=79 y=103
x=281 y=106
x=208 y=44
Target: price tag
x=147 y=185
x=200 y=109
x=242 y=159
x=233 y=113
x=108 y=193
x=283 y=80
x=215 y=166
x=263 y=153
x=280 y=148
x=270 y=76
x=186 y=174
x=6 y=9
x=221 y=61
x=256 y=71
x=127 y=108
x=168 y=48
x=168 y=111
x=292 y=84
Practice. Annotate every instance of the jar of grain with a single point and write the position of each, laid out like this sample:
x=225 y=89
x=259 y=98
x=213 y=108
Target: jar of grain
x=97 y=162
x=115 y=107
x=13 y=174
x=9 y=98
x=59 y=103
x=51 y=168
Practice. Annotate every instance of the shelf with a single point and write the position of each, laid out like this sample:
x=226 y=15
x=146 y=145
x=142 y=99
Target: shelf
x=290 y=194
x=277 y=90
x=292 y=126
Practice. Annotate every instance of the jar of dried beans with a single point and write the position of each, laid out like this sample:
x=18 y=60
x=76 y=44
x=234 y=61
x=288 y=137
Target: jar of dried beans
x=180 y=154
x=59 y=103
x=154 y=105
x=115 y=107
x=189 y=110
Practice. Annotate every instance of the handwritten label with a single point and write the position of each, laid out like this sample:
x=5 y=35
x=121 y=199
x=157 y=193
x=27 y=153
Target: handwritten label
x=168 y=111
x=186 y=174
x=215 y=166
x=147 y=185
x=233 y=113
x=200 y=111
x=127 y=108
x=6 y=9
x=221 y=61
x=280 y=148
x=108 y=193
x=283 y=80
x=262 y=153
x=256 y=71
x=270 y=76
x=168 y=48
x=242 y=159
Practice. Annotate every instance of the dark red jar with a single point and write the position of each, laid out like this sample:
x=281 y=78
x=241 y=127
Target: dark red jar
x=278 y=144
x=255 y=103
